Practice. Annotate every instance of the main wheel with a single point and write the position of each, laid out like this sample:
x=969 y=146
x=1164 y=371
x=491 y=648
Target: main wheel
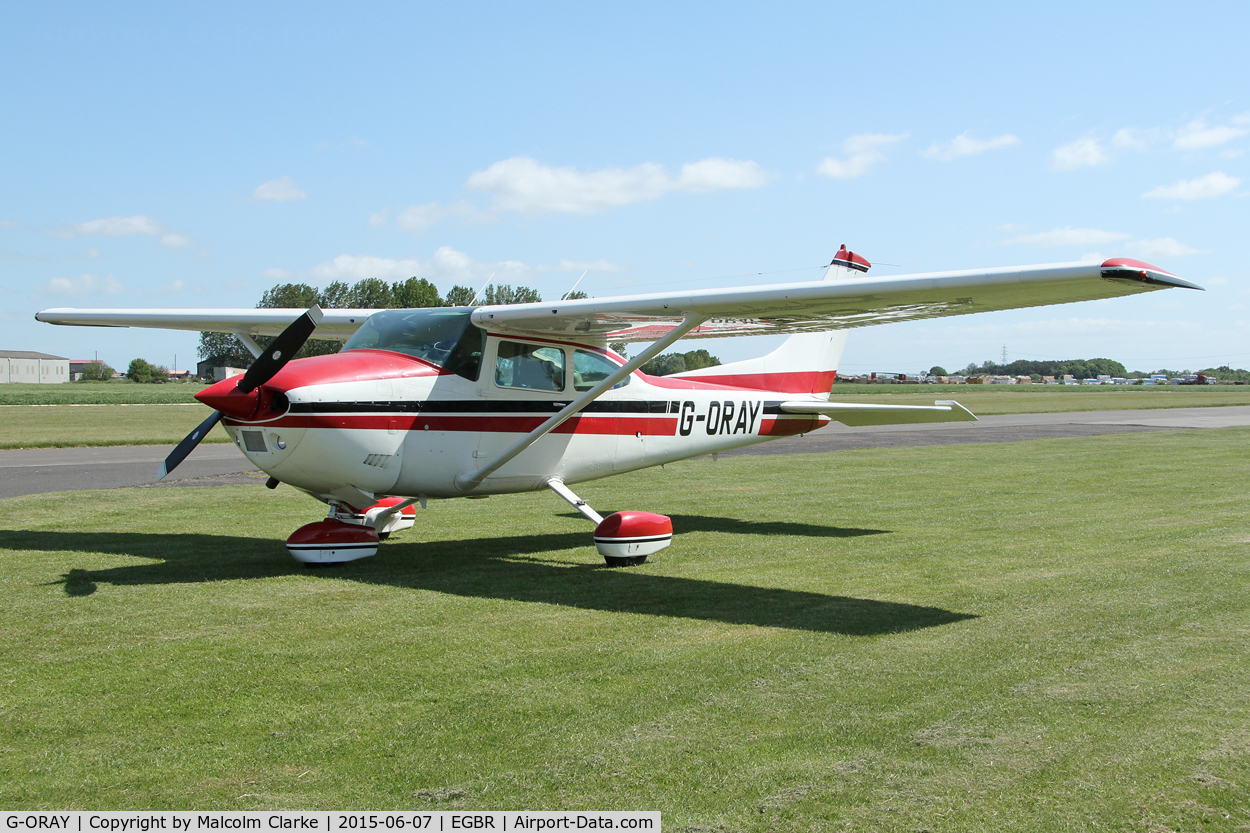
x=624 y=560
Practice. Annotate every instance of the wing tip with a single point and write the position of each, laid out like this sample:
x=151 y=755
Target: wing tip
x=1126 y=268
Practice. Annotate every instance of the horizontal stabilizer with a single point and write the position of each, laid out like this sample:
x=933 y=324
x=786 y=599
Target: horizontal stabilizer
x=848 y=413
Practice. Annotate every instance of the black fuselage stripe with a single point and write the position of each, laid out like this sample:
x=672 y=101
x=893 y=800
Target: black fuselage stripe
x=475 y=406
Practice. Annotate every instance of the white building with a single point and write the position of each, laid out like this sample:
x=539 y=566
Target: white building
x=32 y=368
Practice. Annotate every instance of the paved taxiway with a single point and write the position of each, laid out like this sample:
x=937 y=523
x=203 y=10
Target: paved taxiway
x=40 y=470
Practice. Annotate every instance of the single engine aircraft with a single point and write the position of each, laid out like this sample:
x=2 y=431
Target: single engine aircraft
x=471 y=401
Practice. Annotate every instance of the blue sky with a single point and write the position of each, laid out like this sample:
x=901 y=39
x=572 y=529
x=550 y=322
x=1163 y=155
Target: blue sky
x=156 y=156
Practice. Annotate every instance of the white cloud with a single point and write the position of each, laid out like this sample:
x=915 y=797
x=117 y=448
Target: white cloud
x=418 y=218
x=1196 y=135
x=965 y=145
x=359 y=267
x=86 y=284
x=1159 y=247
x=1211 y=185
x=583 y=266
x=1078 y=154
x=125 y=227
x=169 y=288
x=1134 y=138
x=282 y=189
x=378 y=218
x=1218 y=280
x=1244 y=118
x=446 y=266
x=526 y=185
x=119 y=226
x=276 y=274
x=1068 y=236
x=716 y=174
x=862 y=152
x=1083 y=237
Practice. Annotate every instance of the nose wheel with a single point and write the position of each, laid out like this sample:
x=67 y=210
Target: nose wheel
x=347 y=535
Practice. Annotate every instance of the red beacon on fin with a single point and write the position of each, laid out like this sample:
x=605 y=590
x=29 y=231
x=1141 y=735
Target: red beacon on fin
x=850 y=260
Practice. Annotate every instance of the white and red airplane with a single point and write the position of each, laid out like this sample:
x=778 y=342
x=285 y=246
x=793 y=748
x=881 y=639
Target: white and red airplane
x=474 y=401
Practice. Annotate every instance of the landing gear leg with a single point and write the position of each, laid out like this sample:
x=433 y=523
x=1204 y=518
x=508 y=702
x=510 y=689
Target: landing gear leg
x=624 y=539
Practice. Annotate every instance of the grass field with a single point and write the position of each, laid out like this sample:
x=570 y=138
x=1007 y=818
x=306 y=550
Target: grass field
x=986 y=400
x=1043 y=636
x=65 y=426
x=99 y=393
x=80 y=419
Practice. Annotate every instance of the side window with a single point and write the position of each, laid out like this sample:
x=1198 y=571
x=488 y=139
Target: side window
x=590 y=368
x=529 y=366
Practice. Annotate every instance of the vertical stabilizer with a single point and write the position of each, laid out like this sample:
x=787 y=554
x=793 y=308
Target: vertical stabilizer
x=804 y=363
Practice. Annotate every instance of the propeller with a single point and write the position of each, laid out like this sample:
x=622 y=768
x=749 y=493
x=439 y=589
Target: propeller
x=266 y=366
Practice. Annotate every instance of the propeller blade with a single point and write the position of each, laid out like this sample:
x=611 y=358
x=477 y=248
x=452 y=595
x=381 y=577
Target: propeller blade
x=280 y=352
x=187 y=445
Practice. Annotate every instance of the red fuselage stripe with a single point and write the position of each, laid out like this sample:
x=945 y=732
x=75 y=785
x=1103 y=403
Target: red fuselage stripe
x=805 y=381
x=651 y=426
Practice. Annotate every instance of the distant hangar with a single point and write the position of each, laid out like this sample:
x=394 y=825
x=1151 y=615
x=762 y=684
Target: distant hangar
x=32 y=367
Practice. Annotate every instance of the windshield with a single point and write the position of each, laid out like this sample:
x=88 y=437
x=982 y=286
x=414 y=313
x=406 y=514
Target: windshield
x=443 y=337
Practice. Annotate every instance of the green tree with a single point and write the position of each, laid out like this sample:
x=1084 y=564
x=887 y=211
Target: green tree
x=575 y=295
x=459 y=296
x=665 y=365
x=96 y=372
x=146 y=373
x=670 y=363
x=337 y=295
x=699 y=359
x=938 y=370
x=414 y=293
x=619 y=347
x=289 y=296
x=371 y=293
x=505 y=294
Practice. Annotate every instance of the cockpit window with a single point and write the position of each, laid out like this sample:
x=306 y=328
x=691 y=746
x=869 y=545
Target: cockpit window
x=443 y=337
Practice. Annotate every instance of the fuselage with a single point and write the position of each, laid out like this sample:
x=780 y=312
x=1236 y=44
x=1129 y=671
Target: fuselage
x=369 y=422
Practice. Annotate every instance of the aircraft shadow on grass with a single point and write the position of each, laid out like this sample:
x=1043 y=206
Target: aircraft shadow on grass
x=498 y=568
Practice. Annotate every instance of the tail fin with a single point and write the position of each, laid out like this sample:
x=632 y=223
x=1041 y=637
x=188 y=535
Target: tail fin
x=804 y=363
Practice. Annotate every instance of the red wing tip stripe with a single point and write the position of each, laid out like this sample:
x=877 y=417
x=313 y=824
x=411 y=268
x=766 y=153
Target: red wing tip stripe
x=641 y=539
x=364 y=545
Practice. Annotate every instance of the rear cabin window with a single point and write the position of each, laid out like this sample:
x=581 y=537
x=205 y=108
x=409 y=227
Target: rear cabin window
x=442 y=337
x=529 y=366
x=590 y=368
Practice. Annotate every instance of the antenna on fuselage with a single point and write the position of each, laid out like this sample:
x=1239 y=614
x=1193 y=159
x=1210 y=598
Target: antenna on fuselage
x=565 y=296
x=483 y=289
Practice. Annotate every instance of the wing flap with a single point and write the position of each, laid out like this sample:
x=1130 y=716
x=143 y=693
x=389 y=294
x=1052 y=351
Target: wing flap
x=855 y=413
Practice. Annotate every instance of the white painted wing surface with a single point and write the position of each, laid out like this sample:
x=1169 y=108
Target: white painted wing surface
x=336 y=324
x=826 y=305
x=856 y=413
x=751 y=310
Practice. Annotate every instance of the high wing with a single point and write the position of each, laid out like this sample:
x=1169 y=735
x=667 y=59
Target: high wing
x=752 y=310
x=336 y=324
x=828 y=305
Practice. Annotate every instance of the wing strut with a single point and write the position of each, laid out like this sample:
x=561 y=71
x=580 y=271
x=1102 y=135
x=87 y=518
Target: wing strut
x=469 y=480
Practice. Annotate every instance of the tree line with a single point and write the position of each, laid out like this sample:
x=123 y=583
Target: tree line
x=1077 y=368
x=224 y=350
